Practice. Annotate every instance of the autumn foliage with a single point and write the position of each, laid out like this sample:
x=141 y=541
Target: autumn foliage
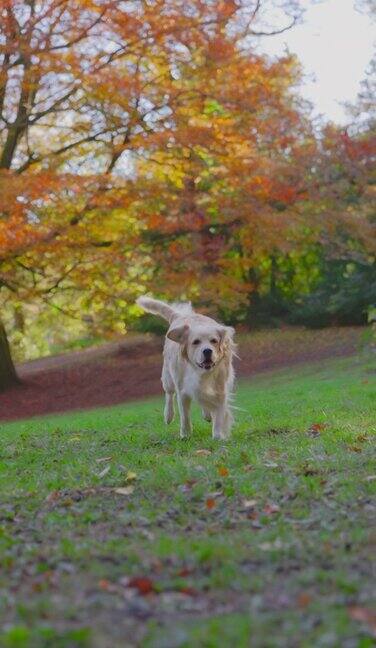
x=149 y=146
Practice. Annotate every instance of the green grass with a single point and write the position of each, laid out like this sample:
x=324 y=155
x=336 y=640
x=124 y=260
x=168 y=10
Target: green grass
x=286 y=570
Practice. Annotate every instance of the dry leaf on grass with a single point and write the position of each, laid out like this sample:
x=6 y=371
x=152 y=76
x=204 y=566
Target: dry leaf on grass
x=102 y=459
x=354 y=448
x=107 y=586
x=364 y=615
x=203 y=452
x=269 y=509
x=52 y=497
x=315 y=429
x=104 y=472
x=270 y=464
x=125 y=490
x=249 y=503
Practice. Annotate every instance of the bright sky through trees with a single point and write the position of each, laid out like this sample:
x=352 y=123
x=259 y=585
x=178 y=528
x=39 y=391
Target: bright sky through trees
x=334 y=44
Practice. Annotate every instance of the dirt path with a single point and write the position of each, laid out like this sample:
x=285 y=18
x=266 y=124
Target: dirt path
x=130 y=369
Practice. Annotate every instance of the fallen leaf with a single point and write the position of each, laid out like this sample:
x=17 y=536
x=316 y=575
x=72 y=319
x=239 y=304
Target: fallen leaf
x=203 y=452
x=130 y=476
x=74 y=439
x=189 y=591
x=210 y=503
x=143 y=584
x=102 y=459
x=186 y=571
x=315 y=429
x=269 y=509
x=361 y=438
x=364 y=615
x=249 y=503
x=371 y=478
x=354 y=448
x=222 y=471
x=303 y=600
x=52 y=497
x=104 y=472
x=270 y=464
x=124 y=490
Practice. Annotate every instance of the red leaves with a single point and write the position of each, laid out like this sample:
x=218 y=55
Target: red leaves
x=315 y=429
x=210 y=503
x=142 y=584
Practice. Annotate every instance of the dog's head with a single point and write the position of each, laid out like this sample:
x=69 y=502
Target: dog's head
x=204 y=345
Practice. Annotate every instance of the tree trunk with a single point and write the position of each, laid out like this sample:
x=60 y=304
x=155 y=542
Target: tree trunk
x=8 y=374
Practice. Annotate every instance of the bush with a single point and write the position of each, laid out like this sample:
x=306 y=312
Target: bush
x=344 y=297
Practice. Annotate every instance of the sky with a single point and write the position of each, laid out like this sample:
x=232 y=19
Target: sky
x=335 y=45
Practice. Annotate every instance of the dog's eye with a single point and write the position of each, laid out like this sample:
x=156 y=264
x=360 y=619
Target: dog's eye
x=195 y=342
x=213 y=341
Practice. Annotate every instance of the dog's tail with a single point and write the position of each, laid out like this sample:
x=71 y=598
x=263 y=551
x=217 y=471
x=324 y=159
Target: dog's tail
x=157 y=307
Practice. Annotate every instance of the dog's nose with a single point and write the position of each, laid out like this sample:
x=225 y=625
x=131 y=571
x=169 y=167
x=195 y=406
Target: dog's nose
x=207 y=353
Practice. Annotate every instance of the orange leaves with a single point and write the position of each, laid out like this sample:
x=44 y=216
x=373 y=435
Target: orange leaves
x=142 y=584
x=316 y=428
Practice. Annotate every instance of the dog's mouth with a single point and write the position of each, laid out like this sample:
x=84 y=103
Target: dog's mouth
x=207 y=364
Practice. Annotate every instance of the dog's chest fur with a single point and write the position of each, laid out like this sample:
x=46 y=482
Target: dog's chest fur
x=202 y=387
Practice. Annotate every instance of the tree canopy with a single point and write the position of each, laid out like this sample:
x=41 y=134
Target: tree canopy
x=148 y=145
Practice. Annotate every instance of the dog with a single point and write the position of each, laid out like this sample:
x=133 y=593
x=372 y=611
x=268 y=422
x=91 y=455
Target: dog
x=197 y=365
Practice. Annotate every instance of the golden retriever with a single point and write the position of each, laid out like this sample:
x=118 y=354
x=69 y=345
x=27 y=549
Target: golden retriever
x=197 y=365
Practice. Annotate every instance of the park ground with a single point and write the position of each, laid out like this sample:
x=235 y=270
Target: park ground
x=115 y=533
x=130 y=368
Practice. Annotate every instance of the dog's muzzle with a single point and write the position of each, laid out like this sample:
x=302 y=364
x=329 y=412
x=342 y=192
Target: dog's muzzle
x=206 y=364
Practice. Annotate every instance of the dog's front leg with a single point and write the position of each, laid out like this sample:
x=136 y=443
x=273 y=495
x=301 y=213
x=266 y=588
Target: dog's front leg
x=184 y=404
x=221 y=422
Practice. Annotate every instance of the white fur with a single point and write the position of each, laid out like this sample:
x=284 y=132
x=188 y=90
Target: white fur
x=187 y=372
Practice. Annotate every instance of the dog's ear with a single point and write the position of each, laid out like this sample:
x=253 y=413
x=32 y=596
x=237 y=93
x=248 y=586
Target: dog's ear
x=225 y=332
x=178 y=334
x=226 y=342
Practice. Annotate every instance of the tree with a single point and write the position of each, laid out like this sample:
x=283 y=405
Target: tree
x=220 y=186
x=84 y=87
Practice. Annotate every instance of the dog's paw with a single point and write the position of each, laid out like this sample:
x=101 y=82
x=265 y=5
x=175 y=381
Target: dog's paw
x=168 y=417
x=220 y=435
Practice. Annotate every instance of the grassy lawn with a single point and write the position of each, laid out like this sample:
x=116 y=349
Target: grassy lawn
x=264 y=541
